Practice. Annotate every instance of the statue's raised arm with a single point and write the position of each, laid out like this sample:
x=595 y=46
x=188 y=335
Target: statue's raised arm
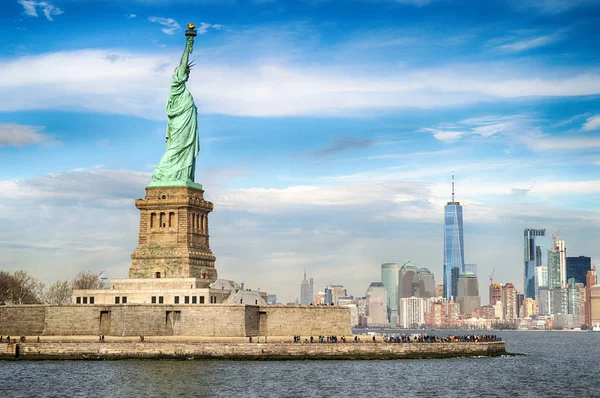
x=178 y=164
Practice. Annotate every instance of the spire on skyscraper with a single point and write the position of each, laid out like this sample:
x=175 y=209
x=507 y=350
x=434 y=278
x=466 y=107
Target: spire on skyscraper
x=453 y=186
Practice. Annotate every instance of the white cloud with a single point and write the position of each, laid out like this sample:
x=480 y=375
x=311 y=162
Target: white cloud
x=130 y=16
x=537 y=142
x=30 y=8
x=170 y=25
x=21 y=135
x=592 y=123
x=203 y=28
x=444 y=135
x=136 y=84
x=528 y=44
x=485 y=126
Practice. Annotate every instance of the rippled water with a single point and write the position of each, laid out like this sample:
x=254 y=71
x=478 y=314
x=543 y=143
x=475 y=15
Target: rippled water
x=555 y=364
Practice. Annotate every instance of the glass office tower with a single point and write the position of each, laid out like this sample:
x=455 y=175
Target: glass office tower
x=454 y=258
x=532 y=258
x=390 y=278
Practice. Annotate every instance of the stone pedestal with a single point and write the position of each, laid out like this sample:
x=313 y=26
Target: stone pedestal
x=173 y=238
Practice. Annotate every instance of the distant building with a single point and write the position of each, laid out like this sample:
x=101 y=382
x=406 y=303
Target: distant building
x=495 y=293
x=577 y=268
x=553 y=269
x=559 y=301
x=439 y=291
x=454 y=248
x=411 y=312
x=590 y=280
x=390 y=276
x=333 y=292
x=520 y=299
x=499 y=310
x=543 y=301
x=305 y=291
x=415 y=282
x=595 y=305
x=426 y=284
x=576 y=301
x=440 y=312
x=271 y=298
x=376 y=304
x=509 y=302
x=528 y=308
x=468 y=293
x=541 y=278
x=485 y=312
x=320 y=298
x=409 y=281
x=562 y=251
x=532 y=258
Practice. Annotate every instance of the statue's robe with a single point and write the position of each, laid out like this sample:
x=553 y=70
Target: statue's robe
x=179 y=161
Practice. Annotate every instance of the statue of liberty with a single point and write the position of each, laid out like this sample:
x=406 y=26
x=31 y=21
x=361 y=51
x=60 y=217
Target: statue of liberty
x=178 y=164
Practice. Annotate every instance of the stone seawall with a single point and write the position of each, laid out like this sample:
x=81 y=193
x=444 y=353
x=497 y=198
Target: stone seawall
x=222 y=320
x=255 y=351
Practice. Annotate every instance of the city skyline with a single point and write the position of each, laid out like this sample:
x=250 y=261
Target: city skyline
x=327 y=141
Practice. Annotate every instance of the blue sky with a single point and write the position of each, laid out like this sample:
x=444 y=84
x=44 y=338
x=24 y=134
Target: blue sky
x=328 y=130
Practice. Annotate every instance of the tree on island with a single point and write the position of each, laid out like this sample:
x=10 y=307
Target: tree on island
x=20 y=288
x=58 y=293
x=87 y=280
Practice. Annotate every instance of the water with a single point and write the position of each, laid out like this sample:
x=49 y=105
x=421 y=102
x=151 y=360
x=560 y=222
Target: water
x=555 y=364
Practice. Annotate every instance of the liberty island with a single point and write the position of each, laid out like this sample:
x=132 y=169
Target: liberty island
x=174 y=305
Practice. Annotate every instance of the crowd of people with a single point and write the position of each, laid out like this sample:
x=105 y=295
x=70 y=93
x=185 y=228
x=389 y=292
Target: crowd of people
x=404 y=338
x=321 y=339
x=426 y=338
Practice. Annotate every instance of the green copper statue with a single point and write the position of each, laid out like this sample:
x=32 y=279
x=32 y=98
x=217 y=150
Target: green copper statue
x=178 y=164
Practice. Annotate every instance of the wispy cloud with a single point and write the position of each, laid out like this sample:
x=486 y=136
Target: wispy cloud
x=170 y=25
x=530 y=43
x=592 y=123
x=21 y=135
x=550 y=6
x=31 y=7
x=486 y=126
x=342 y=143
x=541 y=142
x=130 y=16
x=204 y=27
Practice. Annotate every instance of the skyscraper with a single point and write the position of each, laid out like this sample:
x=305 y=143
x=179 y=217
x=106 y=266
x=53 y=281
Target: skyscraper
x=495 y=293
x=509 y=302
x=376 y=304
x=562 y=250
x=454 y=260
x=532 y=258
x=590 y=280
x=411 y=312
x=468 y=293
x=553 y=269
x=426 y=283
x=304 y=291
x=409 y=281
x=390 y=279
x=577 y=268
